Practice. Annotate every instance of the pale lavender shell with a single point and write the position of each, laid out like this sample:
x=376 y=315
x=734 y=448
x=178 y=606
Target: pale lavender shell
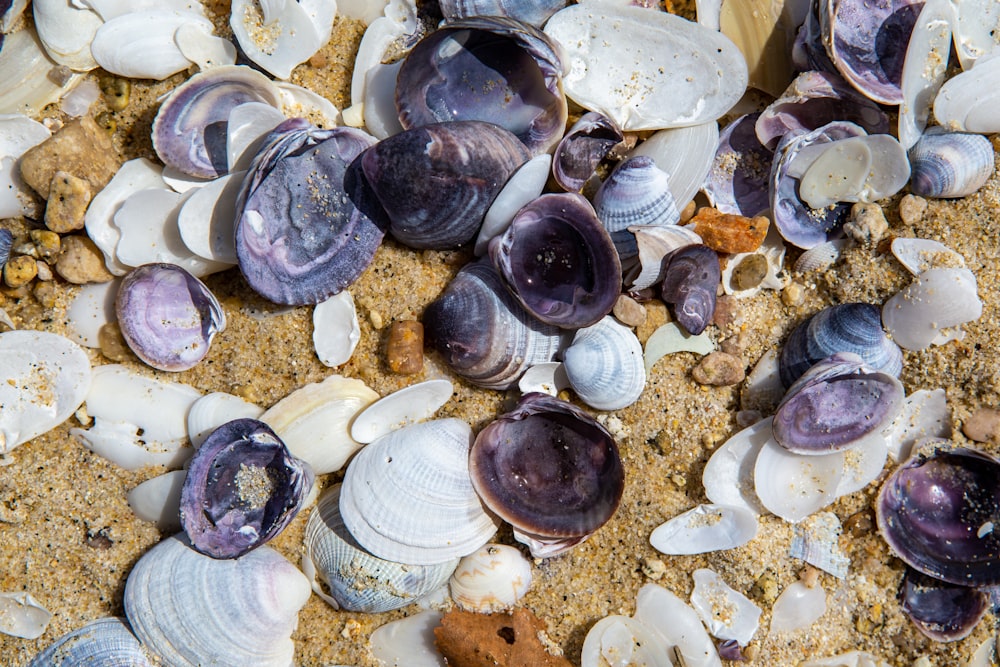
x=535 y=12
x=949 y=164
x=690 y=281
x=637 y=193
x=738 y=179
x=587 y=142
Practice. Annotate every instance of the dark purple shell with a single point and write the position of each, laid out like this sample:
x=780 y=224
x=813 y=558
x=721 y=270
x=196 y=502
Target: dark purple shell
x=808 y=51
x=493 y=69
x=690 y=279
x=535 y=12
x=944 y=612
x=167 y=316
x=738 y=179
x=559 y=261
x=549 y=469
x=437 y=182
x=939 y=513
x=307 y=224
x=242 y=488
x=579 y=152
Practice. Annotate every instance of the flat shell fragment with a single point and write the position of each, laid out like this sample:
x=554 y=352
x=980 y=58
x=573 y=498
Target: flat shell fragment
x=931 y=309
x=21 y=615
x=336 y=330
x=727 y=613
x=401 y=408
x=705 y=528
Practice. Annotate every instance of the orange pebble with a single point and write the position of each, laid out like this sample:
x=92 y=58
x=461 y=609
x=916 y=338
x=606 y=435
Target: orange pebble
x=405 y=348
x=729 y=233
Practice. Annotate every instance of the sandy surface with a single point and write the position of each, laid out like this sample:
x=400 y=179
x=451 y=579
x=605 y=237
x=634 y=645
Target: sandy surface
x=68 y=537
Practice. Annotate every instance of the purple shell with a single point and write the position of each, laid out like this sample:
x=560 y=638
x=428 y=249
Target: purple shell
x=307 y=223
x=579 y=152
x=559 y=261
x=492 y=69
x=938 y=513
x=437 y=182
x=690 y=280
x=242 y=488
x=808 y=51
x=6 y=241
x=535 y=12
x=944 y=612
x=737 y=182
x=550 y=470
x=167 y=316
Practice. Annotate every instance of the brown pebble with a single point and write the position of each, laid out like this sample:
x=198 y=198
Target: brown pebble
x=81 y=147
x=404 y=350
x=69 y=197
x=19 y=271
x=318 y=60
x=688 y=212
x=912 y=209
x=750 y=272
x=719 y=369
x=656 y=316
x=866 y=224
x=794 y=294
x=729 y=233
x=515 y=639
x=859 y=524
x=47 y=244
x=46 y=294
x=983 y=426
x=112 y=343
x=727 y=312
x=629 y=311
x=44 y=270
x=765 y=588
x=735 y=345
x=81 y=262
x=117 y=91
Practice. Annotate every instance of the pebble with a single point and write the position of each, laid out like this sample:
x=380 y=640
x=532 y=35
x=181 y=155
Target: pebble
x=44 y=271
x=112 y=343
x=69 y=197
x=727 y=312
x=116 y=91
x=405 y=347
x=19 y=271
x=983 y=426
x=81 y=262
x=47 y=244
x=866 y=224
x=912 y=209
x=628 y=311
x=794 y=294
x=750 y=272
x=81 y=147
x=654 y=568
x=656 y=316
x=735 y=344
x=688 y=212
x=45 y=293
x=719 y=369
x=730 y=233
x=765 y=588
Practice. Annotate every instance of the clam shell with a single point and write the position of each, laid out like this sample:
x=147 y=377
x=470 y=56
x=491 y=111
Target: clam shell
x=820 y=256
x=690 y=279
x=705 y=528
x=854 y=169
x=158 y=500
x=737 y=178
x=25 y=85
x=207 y=219
x=278 y=41
x=950 y=164
x=925 y=414
x=66 y=30
x=106 y=641
x=728 y=475
x=711 y=593
x=793 y=486
x=408 y=641
x=685 y=632
x=140 y=44
x=973 y=29
x=918 y=255
x=685 y=153
x=968 y=102
x=400 y=408
x=655 y=243
x=636 y=193
x=583 y=147
x=490 y=580
x=535 y=12
x=631 y=640
x=798 y=606
x=604 y=365
x=523 y=187
x=213 y=410
x=21 y=615
x=924 y=67
x=336 y=330
x=931 y=309
x=943 y=611
x=91 y=308
x=817 y=541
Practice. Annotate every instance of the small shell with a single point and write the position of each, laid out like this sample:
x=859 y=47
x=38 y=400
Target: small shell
x=636 y=193
x=950 y=164
x=604 y=365
x=690 y=281
x=798 y=607
x=523 y=187
x=925 y=414
x=66 y=31
x=671 y=338
x=106 y=641
x=21 y=615
x=931 y=309
x=587 y=142
x=490 y=580
x=213 y=410
x=737 y=179
x=655 y=243
x=793 y=486
x=336 y=330
x=728 y=475
x=685 y=631
x=408 y=641
x=973 y=27
x=918 y=255
x=409 y=405
x=279 y=42
x=158 y=500
x=207 y=220
x=705 y=528
x=686 y=153
x=710 y=594
x=820 y=256
x=620 y=640
x=140 y=44
x=943 y=611
x=853 y=169
x=817 y=541
x=967 y=102
x=925 y=65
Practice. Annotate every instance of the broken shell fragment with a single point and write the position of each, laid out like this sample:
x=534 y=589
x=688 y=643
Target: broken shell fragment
x=705 y=528
x=491 y=579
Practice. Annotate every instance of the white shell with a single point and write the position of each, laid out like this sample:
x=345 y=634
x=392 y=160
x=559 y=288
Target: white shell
x=207 y=219
x=279 y=43
x=849 y=659
x=78 y=101
x=158 y=500
x=974 y=30
x=607 y=51
x=728 y=474
x=619 y=640
x=604 y=365
x=18 y=133
x=931 y=309
x=21 y=615
x=45 y=379
x=863 y=463
x=763 y=386
x=90 y=308
x=196 y=42
x=548 y=377
x=684 y=631
x=671 y=338
x=25 y=85
x=798 y=606
x=705 y=528
x=140 y=44
x=686 y=153
x=66 y=32
x=820 y=256
x=213 y=410
x=191 y=609
x=314 y=421
x=408 y=497
x=522 y=187
x=817 y=541
x=925 y=414
x=492 y=579
x=727 y=613
x=655 y=243
x=406 y=406
x=299 y=102
x=918 y=255
x=924 y=68
x=336 y=330
x=378 y=110
x=793 y=486
x=379 y=35
x=109 y=9
x=773 y=250
x=856 y=169
x=970 y=101
x=248 y=124
x=408 y=641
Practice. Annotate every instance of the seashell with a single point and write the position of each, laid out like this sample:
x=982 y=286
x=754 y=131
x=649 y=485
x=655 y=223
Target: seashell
x=931 y=309
x=548 y=377
x=6 y=241
x=406 y=406
x=559 y=262
x=158 y=500
x=279 y=36
x=607 y=44
x=523 y=187
x=21 y=615
x=25 y=84
x=711 y=593
x=854 y=169
x=18 y=133
x=66 y=31
x=247 y=129
x=848 y=659
x=967 y=102
x=141 y=45
x=205 y=50
x=167 y=316
x=817 y=541
x=206 y=219
x=486 y=68
x=950 y=164
x=190 y=128
x=300 y=102
x=704 y=529
x=943 y=611
x=762 y=31
x=242 y=611
x=617 y=640
x=314 y=421
x=798 y=607
x=793 y=486
x=408 y=641
x=737 y=178
x=299 y=179
x=397 y=22
x=604 y=365
x=746 y=273
x=686 y=153
x=106 y=641
x=671 y=338
x=10 y=13
x=572 y=467
x=243 y=487
x=690 y=280
x=336 y=330
x=924 y=68
x=213 y=410
x=636 y=193
x=973 y=23
x=483 y=333
x=407 y=497
x=685 y=632
x=357 y=580
x=821 y=256
x=47 y=377
x=937 y=513
x=492 y=579
x=535 y=13
x=925 y=414
x=848 y=327
x=584 y=146
x=437 y=182
x=918 y=255
x=655 y=243
x=728 y=474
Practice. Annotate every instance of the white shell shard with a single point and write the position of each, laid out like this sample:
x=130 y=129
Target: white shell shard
x=548 y=377
x=924 y=68
x=798 y=607
x=147 y=221
x=25 y=85
x=66 y=32
x=671 y=338
x=763 y=386
x=863 y=463
x=109 y=9
x=856 y=169
x=406 y=406
x=180 y=182
x=697 y=76
x=190 y=609
x=925 y=414
x=400 y=18
x=21 y=615
x=141 y=44
x=616 y=641
x=918 y=255
x=849 y=659
x=78 y=101
x=728 y=474
x=675 y=620
x=817 y=541
x=248 y=125
x=378 y=109
x=125 y=404
x=974 y=29
x=793 y=486
x=365 y=11
x=686 y=153
x=931 y=309
x=314 y=421
x=299 y=102
x=336 y=330
x=522 y=187
x=655 y=243
x=604 y=365
x=492 y=579
x=821 y=256
x=408 y=641
x=18 y=133
x=970 y=101
x=197 y=43
x=158 y=500
x=45 y=379
x=705 y=528
x=291 y=37
x=727 y=613
x=207 y=219
x=213 y=410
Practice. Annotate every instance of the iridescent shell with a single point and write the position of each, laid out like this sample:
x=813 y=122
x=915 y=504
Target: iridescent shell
x=587 y=142
x=950 y=164
x=737 y=180
x=943 y=611
x=690 y=281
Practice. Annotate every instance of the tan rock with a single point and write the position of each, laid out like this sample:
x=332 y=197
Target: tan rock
x=81 y=147
x=983 y=426
x=81 y=262
x=729 y=233
x=46 y=294
x=515 y=639
x=912 y=209
x=19 y=271
x=69 y=197
x=719 y=369
x=47 y=244
x=628 y=311
x=405 y=348
x=866 y=224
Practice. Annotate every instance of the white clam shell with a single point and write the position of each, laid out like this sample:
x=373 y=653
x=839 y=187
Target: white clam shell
x=817 y=541
x=248 y=125
x=158 y=500
x=931 y=309
x=798 y=606
x=925 y=414
x=25 y=85
x=191 y=609
x=522 y=187
x=378 y=110
x=970 y=101
x=300 y=102
x=46 y=378
x=727 y=613
x=66 y=32
x=213 y=410
x=492 y=579
x=278 y=43
x=607 y=54
x=793 y=486
x=314 y=421
x=820 y=256
x=548 y=377
x=408 y=497
x=604 y=365
x=380 y=34
x=924 y=68
x=21 y=615
x=620 y=640
x=196 y=42
x=974 y=30
x=654 y=604
x=862 y=464
x=336 y=330
x=206 y=220
x=409 y=405
x=671 y=338
x=728 y=474
x=141 y=44
x=408 y=641
x=855 y=169
x=109 y=9
x=686 y=153
x=705 y=528
x=18 y=133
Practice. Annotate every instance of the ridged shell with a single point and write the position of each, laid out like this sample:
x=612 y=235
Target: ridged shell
x=25 y=86
x=107 y=642
x=950 y=164
x=491 y=580
x=604 y=365
x=685 y=153
x=192 y=610
x=66 y=29
x=535 y=12
x=636 y=193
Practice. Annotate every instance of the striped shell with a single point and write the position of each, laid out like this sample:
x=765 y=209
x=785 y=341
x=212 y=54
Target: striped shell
x=950 y=164
x=604 y=365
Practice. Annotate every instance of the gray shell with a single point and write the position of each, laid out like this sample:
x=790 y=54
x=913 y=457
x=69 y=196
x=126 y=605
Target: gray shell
x=949 y=164
x=637 y=193
x=604 y=365
x=107 y=642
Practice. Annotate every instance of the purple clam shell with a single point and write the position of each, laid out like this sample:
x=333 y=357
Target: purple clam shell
x=938 y=513
x=167 y=316
x=549 y=469
x=690 y=279
x=738 y=180
x=437 y=182
x=535 y=12
x=587 y=142
x=559 y=261
x=307 y=223
x=242 y=488
x=944 y=612
x=493 y=69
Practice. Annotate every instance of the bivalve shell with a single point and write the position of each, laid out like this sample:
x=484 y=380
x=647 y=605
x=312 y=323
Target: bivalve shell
x=950 y=164
x=106 y=641
x=140 y=44
x=491 y=579
x=604 y=365
x=705 y=528
x=636 y=193
x=931 y=309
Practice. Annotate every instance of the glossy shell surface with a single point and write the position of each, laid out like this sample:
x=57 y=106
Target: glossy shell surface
x=944 y=612
x=689 y=283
